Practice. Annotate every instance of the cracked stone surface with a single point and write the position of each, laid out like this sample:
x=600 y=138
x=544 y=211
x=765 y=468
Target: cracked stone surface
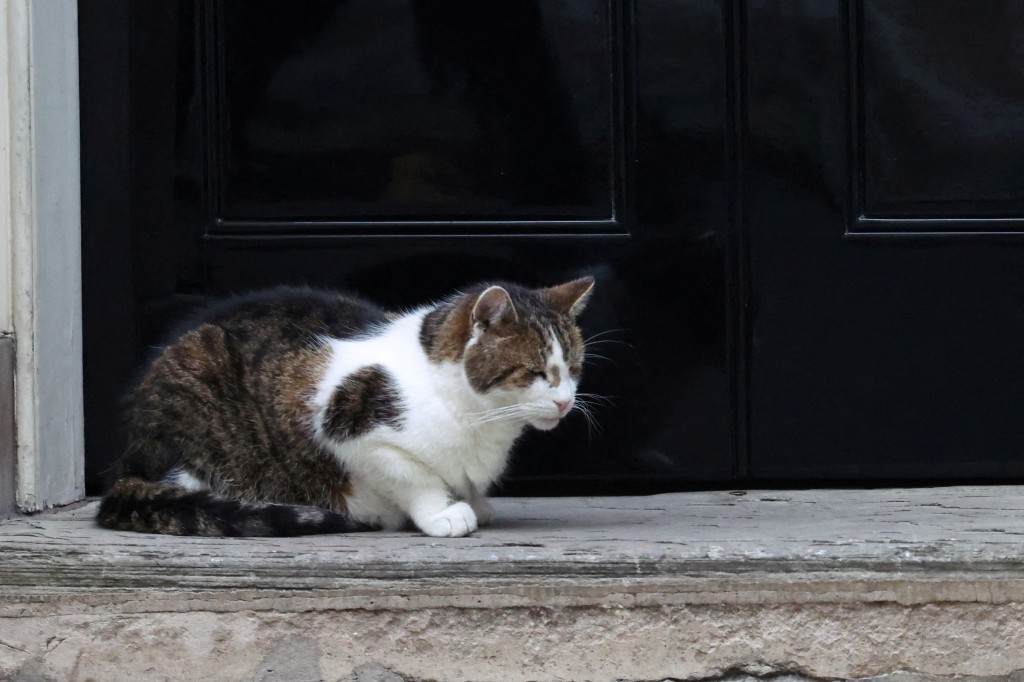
x=894 y=585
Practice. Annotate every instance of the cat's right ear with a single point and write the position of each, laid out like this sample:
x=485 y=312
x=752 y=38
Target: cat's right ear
x=493 y=307
x=571 y=297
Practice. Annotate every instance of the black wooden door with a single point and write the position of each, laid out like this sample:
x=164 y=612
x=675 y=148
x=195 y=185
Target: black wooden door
x=405 y=148
x=885 y=204
x=804 y=216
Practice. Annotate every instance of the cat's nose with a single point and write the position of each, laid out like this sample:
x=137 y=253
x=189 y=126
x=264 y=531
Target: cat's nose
x=563 y=406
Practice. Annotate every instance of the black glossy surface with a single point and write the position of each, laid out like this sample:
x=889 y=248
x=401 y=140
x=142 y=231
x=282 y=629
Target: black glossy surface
x=894 y=355
x=416 y=109
x=403 y=149
x=805 y=217
x=943 y=107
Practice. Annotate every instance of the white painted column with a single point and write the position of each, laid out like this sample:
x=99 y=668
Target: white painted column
x=40 y=245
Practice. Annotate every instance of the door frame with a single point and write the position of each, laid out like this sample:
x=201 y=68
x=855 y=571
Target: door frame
x=42 y=451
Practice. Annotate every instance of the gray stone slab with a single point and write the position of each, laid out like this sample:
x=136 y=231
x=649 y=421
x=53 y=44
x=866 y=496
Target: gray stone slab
x=636 y=542
x=906 y=585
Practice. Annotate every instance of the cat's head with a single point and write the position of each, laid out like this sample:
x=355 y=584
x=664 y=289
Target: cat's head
x=521 y=348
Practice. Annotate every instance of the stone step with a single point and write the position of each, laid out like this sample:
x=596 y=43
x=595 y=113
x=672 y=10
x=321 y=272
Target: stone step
x=924 y=582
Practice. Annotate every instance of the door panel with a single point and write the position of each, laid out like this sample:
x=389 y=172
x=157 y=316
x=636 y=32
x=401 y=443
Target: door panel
x=941 y=109
x=885 y=336
x=425 y=109
x=403 y=149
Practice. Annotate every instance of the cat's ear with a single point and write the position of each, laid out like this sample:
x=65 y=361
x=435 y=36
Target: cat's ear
x=570 y=297
x=493 y=307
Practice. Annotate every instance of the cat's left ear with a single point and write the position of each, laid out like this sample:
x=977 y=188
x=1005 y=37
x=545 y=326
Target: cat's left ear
x=493 y=307
x=570 y=297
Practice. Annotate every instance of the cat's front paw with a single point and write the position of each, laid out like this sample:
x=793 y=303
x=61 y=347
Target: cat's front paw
x=454 y=521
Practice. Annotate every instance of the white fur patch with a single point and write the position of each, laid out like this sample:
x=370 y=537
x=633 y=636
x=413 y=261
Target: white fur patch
x=451 y=438
x=310 y=516
x=556 y=360
x=183 y=479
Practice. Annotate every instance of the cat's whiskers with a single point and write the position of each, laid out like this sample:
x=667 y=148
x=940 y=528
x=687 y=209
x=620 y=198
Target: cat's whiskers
x=595 y=396
x=596 y=340
x=589 y=354
x=588 y=403
x=596 y=356
x=505 y=414
x=591 y=344
x=494 y=410
x=600 y=334
x=500 y=413
x=586 y=409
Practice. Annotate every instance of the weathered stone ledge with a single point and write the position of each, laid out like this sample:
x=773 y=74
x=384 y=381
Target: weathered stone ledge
x=824 y=584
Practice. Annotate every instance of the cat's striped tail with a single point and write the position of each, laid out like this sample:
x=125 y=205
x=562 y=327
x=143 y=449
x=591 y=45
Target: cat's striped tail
x=147 y=507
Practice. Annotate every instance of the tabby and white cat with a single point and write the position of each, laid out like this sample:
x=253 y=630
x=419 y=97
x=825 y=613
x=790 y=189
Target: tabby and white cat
x=296 y=411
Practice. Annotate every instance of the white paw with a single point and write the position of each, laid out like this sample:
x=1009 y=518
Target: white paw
x=483 y=510
x=451 y=522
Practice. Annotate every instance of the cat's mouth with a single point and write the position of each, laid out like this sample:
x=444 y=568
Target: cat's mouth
x=546 y=424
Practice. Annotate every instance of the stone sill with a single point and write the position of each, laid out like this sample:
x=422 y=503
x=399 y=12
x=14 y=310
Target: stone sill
x=720 y=562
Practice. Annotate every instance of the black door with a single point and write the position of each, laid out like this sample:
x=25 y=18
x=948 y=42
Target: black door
x=405 y=148
x=885 y=197
x=803 y=215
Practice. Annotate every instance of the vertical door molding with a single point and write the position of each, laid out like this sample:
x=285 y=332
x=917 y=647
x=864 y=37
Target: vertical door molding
x=40 y=248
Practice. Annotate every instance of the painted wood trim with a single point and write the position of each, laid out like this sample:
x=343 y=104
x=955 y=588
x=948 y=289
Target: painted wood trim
x=41 y=205
x=6 y=261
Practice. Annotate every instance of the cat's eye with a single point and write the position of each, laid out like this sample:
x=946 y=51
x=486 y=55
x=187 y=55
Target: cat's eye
x=539 y=373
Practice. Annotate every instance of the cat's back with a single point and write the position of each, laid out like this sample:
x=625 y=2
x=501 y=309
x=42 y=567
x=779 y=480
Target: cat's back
x=289 y=314
x=261 y=339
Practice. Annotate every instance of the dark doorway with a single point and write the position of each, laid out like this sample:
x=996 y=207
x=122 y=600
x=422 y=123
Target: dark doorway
x=803 y=217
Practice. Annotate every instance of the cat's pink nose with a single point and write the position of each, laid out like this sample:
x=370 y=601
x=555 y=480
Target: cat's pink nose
x=563 y=406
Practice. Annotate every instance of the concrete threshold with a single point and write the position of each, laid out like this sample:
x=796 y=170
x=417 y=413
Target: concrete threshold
x=911 y=584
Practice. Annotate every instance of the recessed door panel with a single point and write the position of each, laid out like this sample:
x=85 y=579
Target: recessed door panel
x=366 y=110
x=941 y=111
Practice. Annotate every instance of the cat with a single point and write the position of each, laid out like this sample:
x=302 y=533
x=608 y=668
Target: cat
x=294 y=411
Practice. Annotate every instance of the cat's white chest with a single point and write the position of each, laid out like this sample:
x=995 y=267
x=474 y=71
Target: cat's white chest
x=439 y=428
x=442 y=429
